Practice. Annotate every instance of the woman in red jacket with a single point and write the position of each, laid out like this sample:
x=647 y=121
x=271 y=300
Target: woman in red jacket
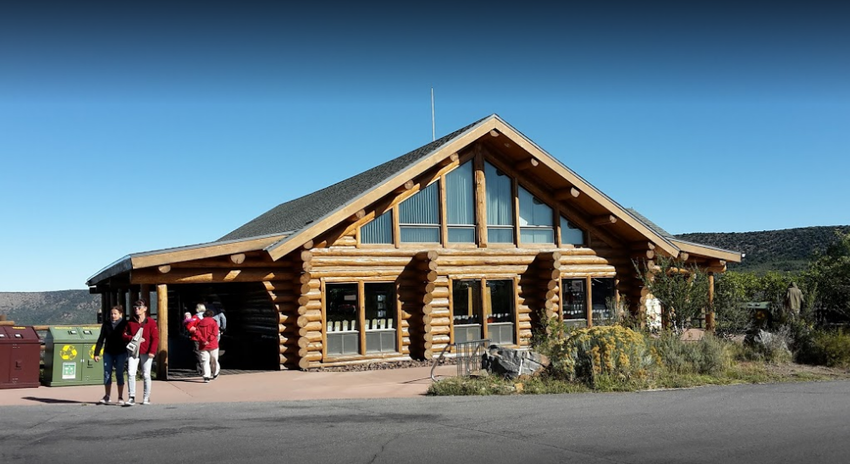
x=207 y=333
x=147 y=346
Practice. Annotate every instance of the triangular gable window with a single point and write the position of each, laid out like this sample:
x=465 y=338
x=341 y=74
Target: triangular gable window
x=378 y=231
x=419 y=216
x=460 y=204
x=570 y=233
x=535 y=219
x=500 y=212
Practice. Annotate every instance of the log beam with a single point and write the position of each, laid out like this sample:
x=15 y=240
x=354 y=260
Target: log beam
x=567 y=194
x=527 y=164
x=604 y=220
x=405 y=187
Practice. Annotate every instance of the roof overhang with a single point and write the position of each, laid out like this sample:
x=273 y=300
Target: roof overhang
x=181 y=254
x=696 y=249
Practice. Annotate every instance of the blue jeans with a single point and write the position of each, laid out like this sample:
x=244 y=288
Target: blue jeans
x=116 y=361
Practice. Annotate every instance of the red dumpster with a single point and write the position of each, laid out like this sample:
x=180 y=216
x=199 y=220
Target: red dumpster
x=20 y=356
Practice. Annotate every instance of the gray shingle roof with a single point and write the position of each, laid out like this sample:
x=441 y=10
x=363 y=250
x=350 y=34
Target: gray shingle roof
x=300 y=212
x=655 y=228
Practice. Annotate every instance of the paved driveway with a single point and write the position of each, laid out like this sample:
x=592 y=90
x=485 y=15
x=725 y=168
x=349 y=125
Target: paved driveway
x=797 y=422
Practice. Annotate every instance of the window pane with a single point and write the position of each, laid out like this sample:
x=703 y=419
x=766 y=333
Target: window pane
x=342 y=314
x=575 y=299
x=466 y=298
x=601 y=294
x=570 y=233
x=537 y=235
x=422 y=207
x=500 y=235
x=460 y=202
x=420 y=234
x=380 y=307
x=461 y=235
x=499 y=197
x=500 y=319
x=379 y=230
x=533 y=211
x=380 y=302
x=501 y=300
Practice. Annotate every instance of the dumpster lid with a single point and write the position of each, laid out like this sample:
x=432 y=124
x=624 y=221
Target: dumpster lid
x=18 y=334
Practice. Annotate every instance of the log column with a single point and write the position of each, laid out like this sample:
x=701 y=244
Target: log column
x=416 y=292
x=291 y=297
x=540 y=289
x=162 y=325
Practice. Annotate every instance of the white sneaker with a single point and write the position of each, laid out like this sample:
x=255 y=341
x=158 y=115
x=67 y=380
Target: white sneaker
x=120 y=401
x=131 y=401
x=104 y=400
x=146 y=401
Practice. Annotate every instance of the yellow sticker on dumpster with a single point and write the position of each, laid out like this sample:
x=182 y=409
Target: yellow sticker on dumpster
x=68 y=352
x=92 y=353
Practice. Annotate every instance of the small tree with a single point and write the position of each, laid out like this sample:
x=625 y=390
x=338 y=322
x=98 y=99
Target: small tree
x=682 y=290
x=828 y=277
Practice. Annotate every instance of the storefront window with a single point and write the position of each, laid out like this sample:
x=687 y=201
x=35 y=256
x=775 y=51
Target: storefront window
x=473 y=309
x=574 y=301
x=380 y=317
x=342 y=315
x=601 y=298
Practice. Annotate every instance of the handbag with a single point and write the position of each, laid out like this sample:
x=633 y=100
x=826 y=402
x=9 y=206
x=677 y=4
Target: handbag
x=133 y=346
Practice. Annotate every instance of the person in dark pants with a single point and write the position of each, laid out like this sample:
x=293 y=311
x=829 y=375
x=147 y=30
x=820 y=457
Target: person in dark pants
x=114 y=349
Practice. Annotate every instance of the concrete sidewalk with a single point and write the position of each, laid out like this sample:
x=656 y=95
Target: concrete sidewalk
x=258 y=386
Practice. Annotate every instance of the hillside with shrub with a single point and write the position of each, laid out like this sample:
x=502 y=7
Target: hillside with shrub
x=50 y=308
x=771 y=250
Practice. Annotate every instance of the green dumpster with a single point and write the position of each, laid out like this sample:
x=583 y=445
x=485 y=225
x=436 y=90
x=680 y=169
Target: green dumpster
x=92 y=371
x=69 y=357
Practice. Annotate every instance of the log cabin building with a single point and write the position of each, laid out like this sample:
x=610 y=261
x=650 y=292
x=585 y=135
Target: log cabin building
x=472 y=236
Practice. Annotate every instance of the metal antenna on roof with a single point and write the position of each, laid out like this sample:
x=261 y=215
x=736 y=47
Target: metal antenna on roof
x=433 y=129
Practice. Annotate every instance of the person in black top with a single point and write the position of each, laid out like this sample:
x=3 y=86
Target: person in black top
x=111 y=341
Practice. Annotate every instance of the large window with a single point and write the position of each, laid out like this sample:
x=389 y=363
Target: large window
x=483 y=314
x=460 y=205
x=419 y=216
x=380 y=317
x=570 y=234
x=500 y=212
x=499 y=306
x=602 y=299
x=535 y=219
x=342 y=314
x=574 y=301
x=380 y=230
x=575 y=310
x=349 y=318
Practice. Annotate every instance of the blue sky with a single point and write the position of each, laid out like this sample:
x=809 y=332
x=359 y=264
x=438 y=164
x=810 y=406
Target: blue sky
x=133 y=128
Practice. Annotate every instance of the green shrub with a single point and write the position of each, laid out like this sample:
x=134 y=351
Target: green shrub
x=707 y=356
x=829 y=348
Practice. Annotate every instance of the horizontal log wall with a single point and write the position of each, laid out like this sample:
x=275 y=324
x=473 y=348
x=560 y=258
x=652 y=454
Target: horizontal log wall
x=296 y=312
x=424 y=293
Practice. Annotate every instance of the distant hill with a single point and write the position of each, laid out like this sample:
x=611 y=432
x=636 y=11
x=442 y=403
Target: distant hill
x=776 y=250
x=50 y=308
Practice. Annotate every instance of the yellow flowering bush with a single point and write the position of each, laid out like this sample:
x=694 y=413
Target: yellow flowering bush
x=613 y=351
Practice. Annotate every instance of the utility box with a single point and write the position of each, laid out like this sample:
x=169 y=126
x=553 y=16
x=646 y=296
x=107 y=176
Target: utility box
x=69 y=357
x=20 y=357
